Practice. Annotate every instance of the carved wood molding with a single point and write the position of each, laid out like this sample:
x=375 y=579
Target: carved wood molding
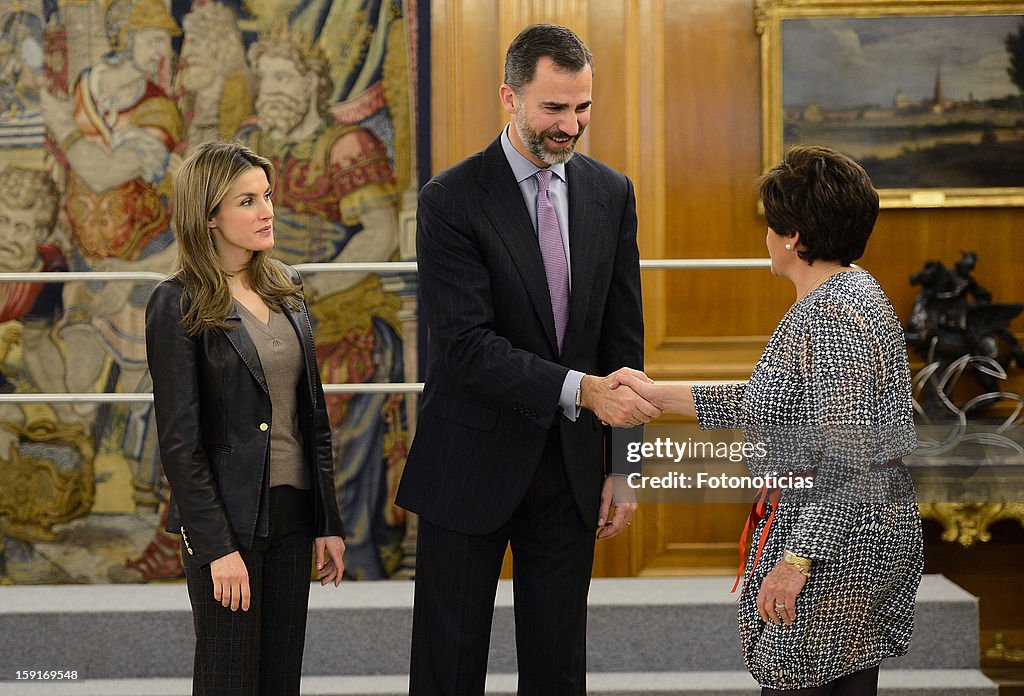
x=969 y=523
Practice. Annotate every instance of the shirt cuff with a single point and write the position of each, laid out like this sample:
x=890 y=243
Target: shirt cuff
x=567 y=400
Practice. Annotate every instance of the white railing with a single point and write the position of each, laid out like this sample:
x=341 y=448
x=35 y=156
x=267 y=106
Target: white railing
x=383 y=268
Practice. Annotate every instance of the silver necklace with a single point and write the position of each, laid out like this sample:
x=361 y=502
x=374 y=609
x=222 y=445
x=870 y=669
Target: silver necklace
x=811 y=285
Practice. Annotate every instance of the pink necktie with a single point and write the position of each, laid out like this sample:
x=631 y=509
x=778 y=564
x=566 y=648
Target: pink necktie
x=556 y=268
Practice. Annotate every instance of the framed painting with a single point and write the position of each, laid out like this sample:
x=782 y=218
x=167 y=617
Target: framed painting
x=928 y=95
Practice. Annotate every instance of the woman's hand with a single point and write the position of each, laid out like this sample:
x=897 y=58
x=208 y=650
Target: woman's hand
x=231 y=581
x=668 y=398
x=620 y=408
x=637 y=381
x=333 y=568
x=776 y=600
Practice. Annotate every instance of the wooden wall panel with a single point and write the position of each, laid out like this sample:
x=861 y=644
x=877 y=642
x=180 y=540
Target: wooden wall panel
x=677 y=101
x=713 y=106
x=464 y=63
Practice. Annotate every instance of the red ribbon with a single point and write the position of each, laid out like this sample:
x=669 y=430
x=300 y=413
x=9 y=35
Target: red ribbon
x=757 y=510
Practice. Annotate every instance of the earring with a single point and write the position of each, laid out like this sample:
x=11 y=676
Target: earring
x=789 y=246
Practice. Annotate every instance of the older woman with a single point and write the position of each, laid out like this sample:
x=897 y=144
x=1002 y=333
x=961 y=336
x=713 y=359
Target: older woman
x=833 y=569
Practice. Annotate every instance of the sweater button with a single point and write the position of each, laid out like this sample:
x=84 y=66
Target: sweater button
x=263 y=427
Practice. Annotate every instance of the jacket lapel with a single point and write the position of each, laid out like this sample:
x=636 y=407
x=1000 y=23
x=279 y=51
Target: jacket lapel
x=300 y=322
x=504 y=206
x=586 y=225
x=246 y=349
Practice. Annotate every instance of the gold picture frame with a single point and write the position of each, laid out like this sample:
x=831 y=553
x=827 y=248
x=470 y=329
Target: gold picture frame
x=943 y=149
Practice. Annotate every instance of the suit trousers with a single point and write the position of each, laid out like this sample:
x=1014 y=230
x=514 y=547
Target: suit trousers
x=456 y=581
x=258 y=652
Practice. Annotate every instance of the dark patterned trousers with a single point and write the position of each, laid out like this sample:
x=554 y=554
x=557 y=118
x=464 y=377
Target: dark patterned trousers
x=457 y=576
x=258 y=652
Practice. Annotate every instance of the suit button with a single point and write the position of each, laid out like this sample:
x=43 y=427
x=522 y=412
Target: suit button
x=263 y=427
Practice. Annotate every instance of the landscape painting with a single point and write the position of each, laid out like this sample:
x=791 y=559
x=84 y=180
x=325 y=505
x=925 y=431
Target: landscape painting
x=931 y=105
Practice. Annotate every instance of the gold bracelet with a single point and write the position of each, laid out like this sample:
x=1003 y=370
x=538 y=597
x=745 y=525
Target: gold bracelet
x=799 y=562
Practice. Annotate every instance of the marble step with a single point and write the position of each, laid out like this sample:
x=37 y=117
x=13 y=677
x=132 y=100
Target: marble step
x=363 y=628
x=892 y=682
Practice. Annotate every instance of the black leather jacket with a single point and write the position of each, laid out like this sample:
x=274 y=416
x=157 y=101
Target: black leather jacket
x=213 y=417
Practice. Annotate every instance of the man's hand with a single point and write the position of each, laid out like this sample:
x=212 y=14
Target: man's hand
x=616 y=494
x=231 y=581
x=331 y=569
x=616 y=404
x=670 y=398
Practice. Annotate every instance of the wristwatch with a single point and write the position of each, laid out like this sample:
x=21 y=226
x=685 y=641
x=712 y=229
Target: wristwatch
x=579 y=395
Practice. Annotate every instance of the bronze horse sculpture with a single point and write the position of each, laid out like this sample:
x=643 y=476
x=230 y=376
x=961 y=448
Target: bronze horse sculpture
x=954 y=316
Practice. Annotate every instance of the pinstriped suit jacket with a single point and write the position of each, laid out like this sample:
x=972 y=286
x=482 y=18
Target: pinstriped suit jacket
x=493 y=372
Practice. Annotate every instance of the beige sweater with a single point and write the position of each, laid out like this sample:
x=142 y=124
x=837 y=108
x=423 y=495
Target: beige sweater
x=281 y=358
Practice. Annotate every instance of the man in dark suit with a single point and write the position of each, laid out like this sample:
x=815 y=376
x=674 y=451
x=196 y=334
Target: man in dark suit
x=530 y=285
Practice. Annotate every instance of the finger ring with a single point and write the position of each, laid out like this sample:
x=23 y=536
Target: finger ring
x=780 y=606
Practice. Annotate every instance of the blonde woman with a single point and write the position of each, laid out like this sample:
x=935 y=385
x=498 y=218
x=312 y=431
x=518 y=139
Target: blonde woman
x=243 y=429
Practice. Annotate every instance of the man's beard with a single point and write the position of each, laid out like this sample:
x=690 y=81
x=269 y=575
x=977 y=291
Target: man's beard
x=278 y=113
x=536 y=145
x=157 y=71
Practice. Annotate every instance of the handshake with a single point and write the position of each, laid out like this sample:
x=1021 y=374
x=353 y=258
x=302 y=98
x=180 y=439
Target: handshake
x=625 y=398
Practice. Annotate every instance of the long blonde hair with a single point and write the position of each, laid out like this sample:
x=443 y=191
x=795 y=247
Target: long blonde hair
x=203 y=180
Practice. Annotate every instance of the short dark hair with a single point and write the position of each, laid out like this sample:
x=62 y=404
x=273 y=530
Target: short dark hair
x=560 y=44
x=826 y=197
